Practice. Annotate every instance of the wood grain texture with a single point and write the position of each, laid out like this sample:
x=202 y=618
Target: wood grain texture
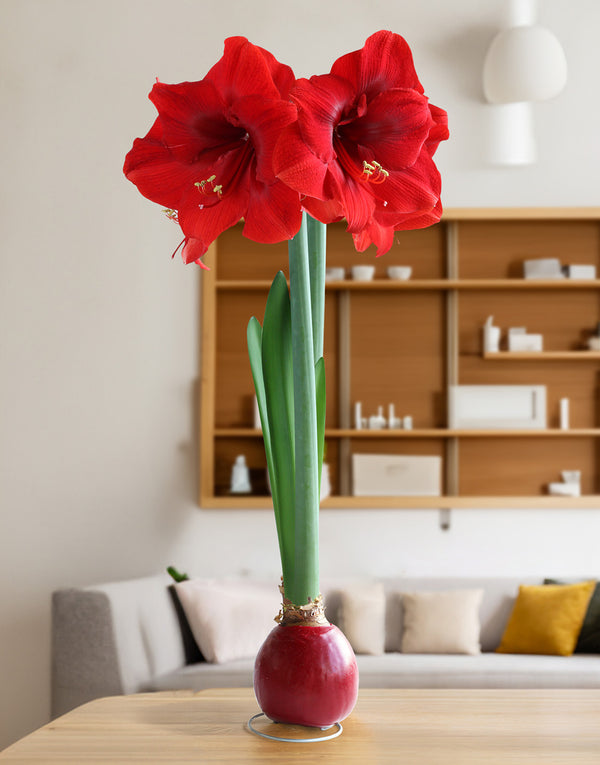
x=416 y=727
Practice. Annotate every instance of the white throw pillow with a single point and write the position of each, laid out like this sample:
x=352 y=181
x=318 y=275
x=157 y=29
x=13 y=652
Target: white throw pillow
x=363 y=618
x=442 y=622
x=229 y=619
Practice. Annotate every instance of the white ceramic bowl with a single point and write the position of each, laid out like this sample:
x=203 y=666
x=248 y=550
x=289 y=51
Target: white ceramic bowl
x=399 y=272
x=363 y=273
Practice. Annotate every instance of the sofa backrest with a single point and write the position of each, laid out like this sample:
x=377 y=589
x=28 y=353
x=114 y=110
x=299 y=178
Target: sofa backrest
x=499 y=594
x=146 y=629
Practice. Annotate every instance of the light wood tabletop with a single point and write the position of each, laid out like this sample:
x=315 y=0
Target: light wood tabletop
x=408 y=727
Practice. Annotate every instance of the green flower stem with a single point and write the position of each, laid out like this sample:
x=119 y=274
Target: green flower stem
x=305 y=583
x=317 y=233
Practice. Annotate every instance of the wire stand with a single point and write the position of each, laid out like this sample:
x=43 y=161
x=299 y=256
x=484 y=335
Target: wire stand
x=335 y=734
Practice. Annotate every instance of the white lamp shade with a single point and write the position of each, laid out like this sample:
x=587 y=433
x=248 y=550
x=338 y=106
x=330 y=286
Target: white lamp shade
x=524 y=63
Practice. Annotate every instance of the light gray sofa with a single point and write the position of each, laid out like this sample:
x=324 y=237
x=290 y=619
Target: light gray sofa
x=127 y=637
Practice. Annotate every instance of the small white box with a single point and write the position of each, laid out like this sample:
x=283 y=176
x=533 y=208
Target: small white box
x=525 y=342
x=543 y=268
x=385 y=475
x=580 y=272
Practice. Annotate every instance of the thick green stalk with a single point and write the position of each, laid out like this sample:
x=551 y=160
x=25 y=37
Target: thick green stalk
x=317 y=233
x=305 y=583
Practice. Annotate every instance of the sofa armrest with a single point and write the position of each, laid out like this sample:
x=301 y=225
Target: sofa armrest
x=84 y=653
x=112 y=638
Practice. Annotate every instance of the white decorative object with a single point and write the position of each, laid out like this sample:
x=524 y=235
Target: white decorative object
x=497 y=406
x=384 y=475
x=240 y=476
x=520 y=340
x=393 y=421
x=335 y=274
x=358 y=415
x=564 y=414
x=594 y=343
x=377 y=421
x=571 y=476
x=363 y=273
x=491 y=336
x=399 y=272
x=565 y=489
x=525 y=63
x=543 y=268
x=407 y=422
x=579 y=272
x=570 y=486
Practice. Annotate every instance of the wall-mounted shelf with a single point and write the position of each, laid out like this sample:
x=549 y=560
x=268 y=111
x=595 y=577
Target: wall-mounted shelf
x=405 y=342
x=543 y=356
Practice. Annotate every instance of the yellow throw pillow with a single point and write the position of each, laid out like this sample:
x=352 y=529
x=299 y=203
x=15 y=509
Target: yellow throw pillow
x=547 y=619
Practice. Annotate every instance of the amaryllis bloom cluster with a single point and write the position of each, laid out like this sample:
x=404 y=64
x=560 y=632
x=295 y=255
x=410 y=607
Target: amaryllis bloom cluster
x=208 y=156
x=251 y=142
x=362 y=146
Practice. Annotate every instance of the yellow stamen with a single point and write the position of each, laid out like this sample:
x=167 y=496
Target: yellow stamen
x=207 y=186
x=373 y=172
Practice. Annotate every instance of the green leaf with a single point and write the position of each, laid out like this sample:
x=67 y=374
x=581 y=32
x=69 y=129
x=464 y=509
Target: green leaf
x=279 y=398
x=254 y=338
x=176 y=575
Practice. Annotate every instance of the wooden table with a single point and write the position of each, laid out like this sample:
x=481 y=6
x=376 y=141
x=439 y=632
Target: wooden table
x=404 y=727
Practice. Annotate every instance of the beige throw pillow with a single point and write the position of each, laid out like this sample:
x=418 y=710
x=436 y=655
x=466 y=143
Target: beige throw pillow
x=442 y=622
x=229 y=619
x=363 y=618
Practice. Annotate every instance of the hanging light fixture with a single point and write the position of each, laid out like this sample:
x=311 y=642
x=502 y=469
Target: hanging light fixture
x=525 y=63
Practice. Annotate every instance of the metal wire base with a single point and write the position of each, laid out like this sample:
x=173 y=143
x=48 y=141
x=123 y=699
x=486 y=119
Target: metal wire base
x=335 y=734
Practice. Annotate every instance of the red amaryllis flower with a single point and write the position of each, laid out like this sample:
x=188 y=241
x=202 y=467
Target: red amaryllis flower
x=363 y=144
x=208 y=156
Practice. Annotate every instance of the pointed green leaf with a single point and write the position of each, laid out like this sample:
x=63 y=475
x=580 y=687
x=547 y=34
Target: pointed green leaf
x=279 y=397
x=254 y=338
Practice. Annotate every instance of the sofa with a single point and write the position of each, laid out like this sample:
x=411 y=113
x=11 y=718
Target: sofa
x=135 y=636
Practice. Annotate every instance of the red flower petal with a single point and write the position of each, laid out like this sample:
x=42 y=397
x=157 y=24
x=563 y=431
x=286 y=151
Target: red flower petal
x=296 y=165
x=245 y=69
x=322 y=102
x=325 y=211
x=410 y=191
x=385 y=61
x=274 y=213
x=150 y=166
x=203 y=222
x=193 y=119
x=374 y=233
x=393 y=130
x=264 y=119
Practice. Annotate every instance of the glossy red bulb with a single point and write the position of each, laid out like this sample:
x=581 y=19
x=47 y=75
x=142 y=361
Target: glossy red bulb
x=306 y=675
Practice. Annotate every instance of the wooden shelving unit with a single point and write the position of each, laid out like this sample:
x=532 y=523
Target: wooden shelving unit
x=405 y=342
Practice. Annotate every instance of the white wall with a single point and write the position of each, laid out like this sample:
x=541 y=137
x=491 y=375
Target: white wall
x=99 y=327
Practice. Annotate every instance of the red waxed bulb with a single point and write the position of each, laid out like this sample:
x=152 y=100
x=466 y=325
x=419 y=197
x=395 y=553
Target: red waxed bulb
x=306 y=675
